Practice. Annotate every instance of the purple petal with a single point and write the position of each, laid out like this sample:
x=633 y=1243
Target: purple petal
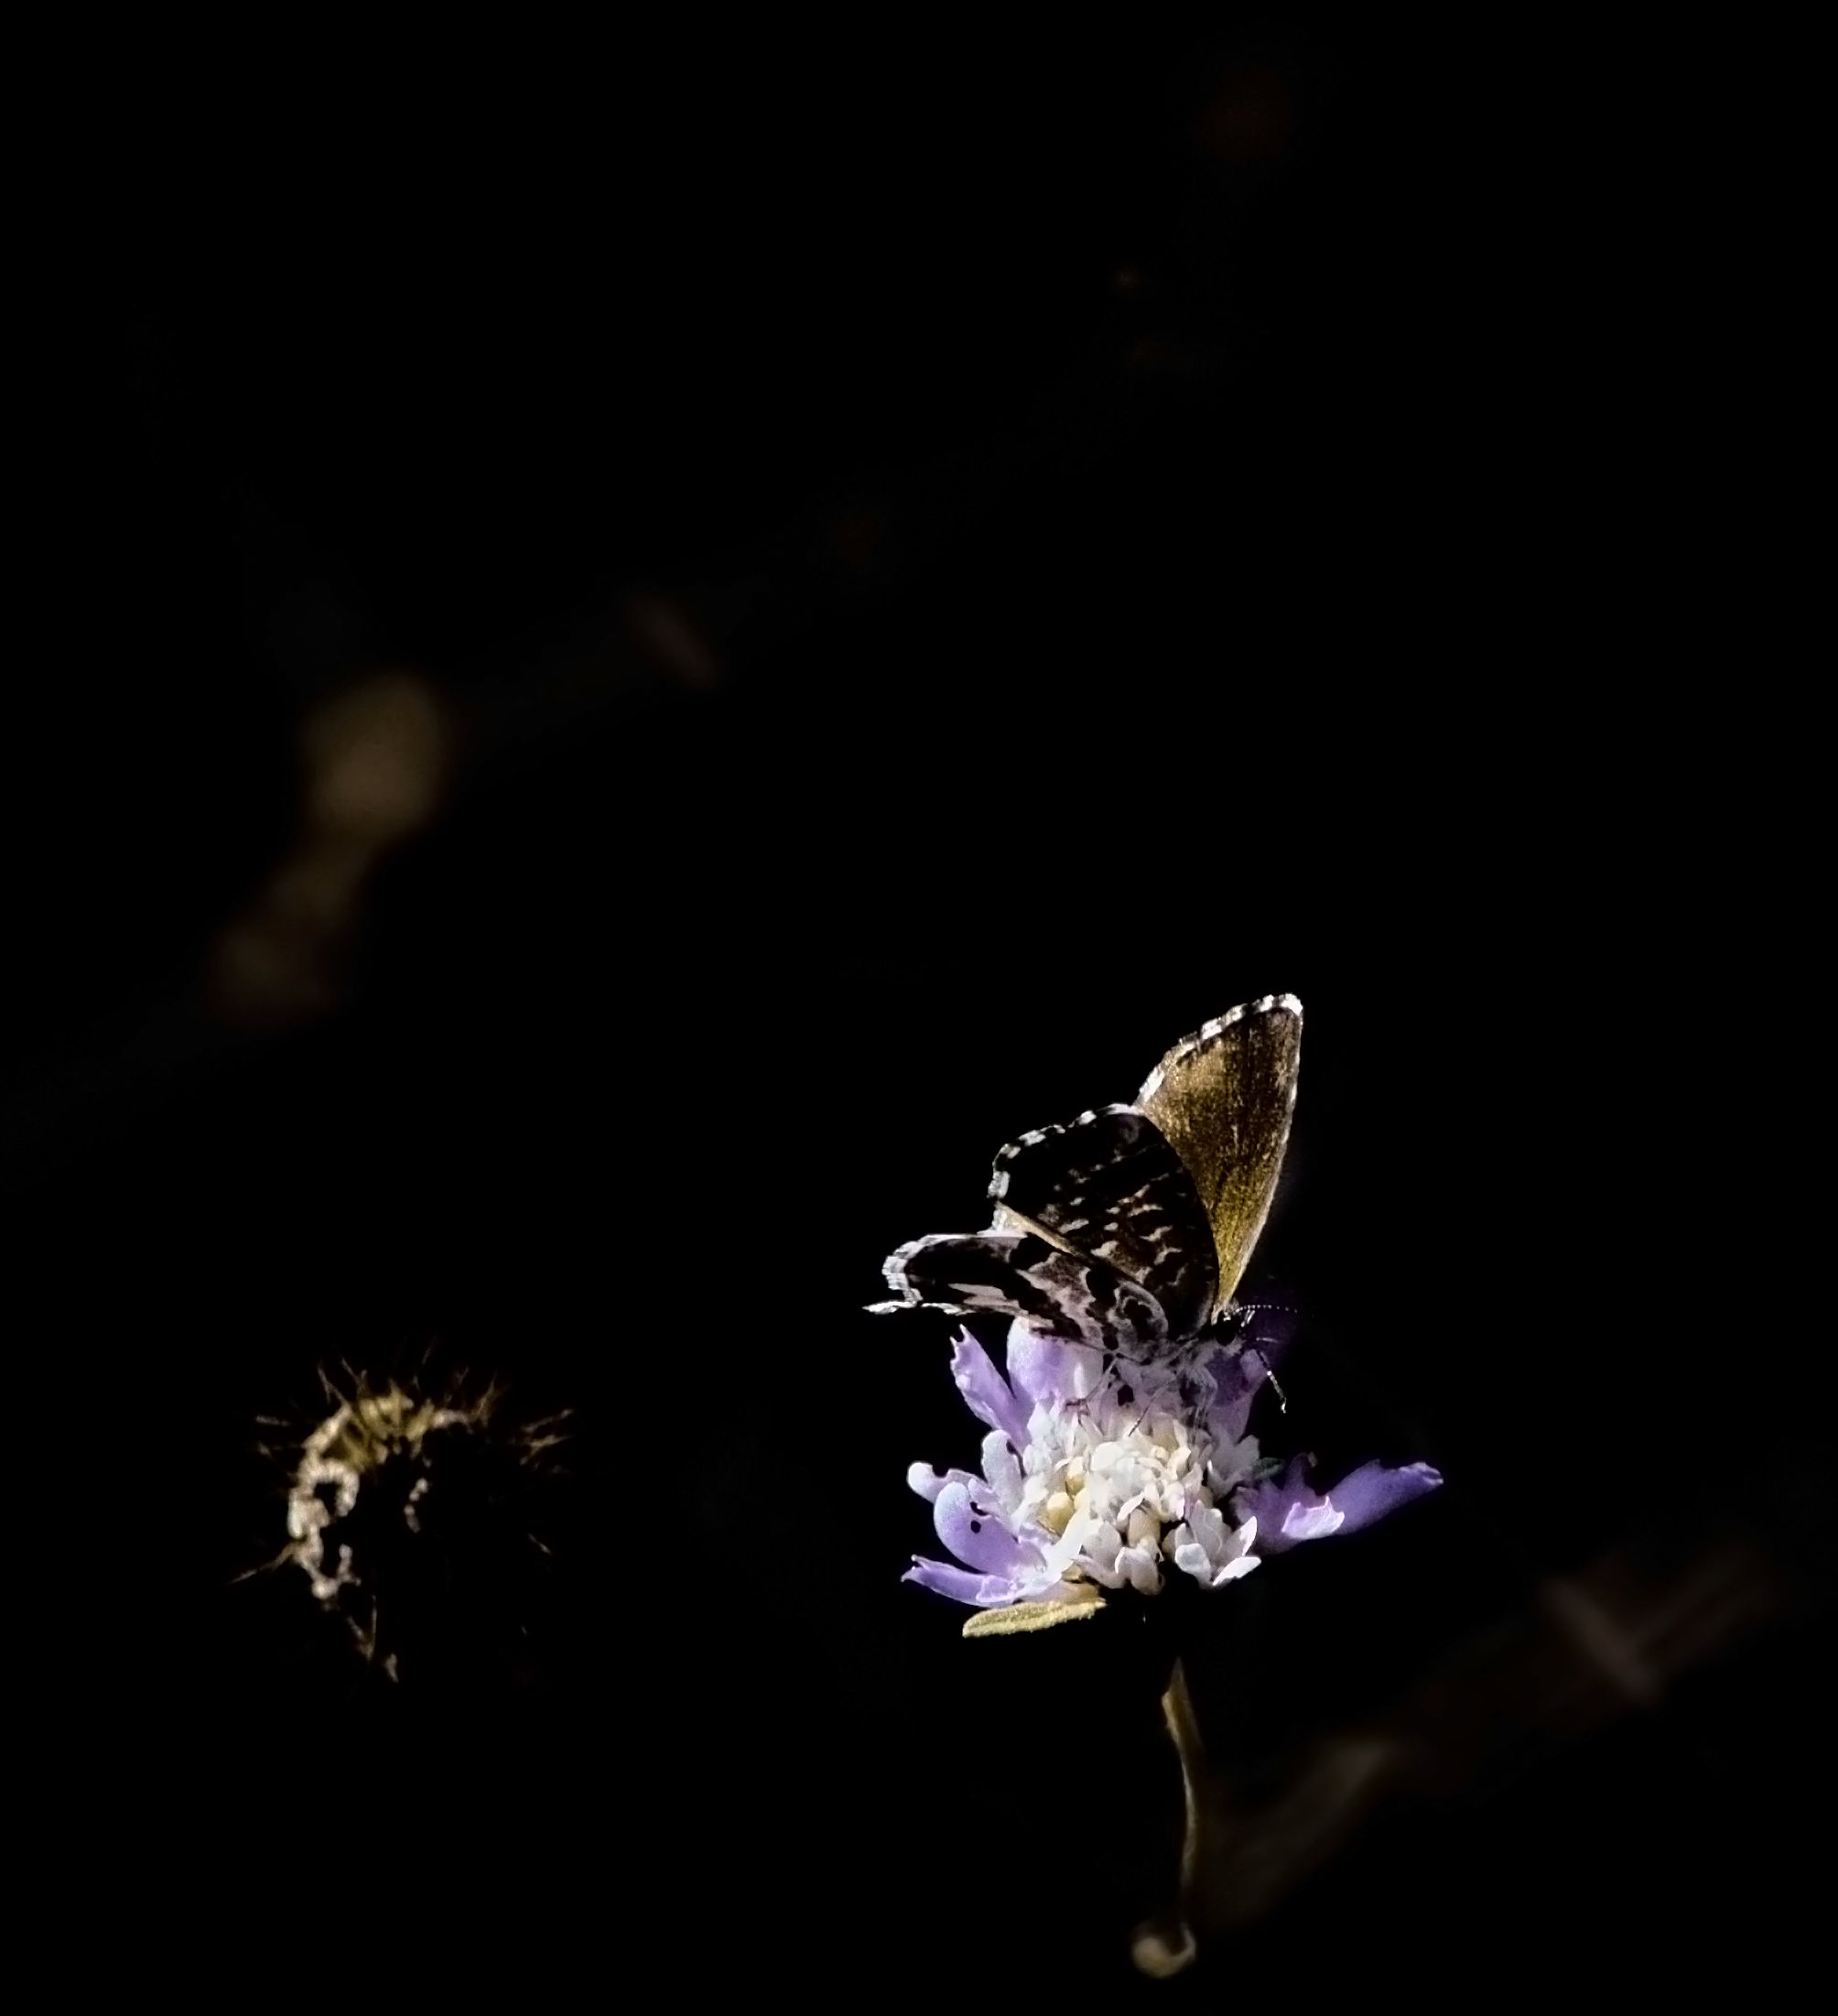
x=1274 y=1502
x=985 y=1591
x=1046 y=1371
x=1311 y=1518
x=970 y=1525
x=1372 y=1490
x=986 y=1393
x=1240 y=1369
x=923 y=1479
x=1287 y=1511
x=1236 y=1379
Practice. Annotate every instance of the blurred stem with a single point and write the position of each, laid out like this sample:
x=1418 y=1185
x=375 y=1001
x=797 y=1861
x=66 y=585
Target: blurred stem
x=1177 y=1708
x=1166 y=1946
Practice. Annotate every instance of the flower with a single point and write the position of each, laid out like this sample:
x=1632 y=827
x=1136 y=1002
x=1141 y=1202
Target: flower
x=1101 y=1473
x=404 y=1509
x=1287 y=1511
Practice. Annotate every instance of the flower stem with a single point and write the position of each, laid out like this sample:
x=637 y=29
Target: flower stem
x=1163 y=1947
x=1177 y=1707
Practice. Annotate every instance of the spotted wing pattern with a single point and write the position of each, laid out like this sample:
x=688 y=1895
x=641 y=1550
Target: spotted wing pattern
x=1015 y=1273
x=1130 y=1229
x=1108 y=1186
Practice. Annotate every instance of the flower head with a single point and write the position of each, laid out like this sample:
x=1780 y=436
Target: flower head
x=1100 y=1473
x=405 y=1502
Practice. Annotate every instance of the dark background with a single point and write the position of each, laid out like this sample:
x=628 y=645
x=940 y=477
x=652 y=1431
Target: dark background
x=924 y=566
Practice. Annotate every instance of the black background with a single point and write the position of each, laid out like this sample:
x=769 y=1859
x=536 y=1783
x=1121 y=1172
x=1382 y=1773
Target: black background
x=1160 y=516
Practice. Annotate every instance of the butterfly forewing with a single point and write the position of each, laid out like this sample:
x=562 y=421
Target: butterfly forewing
x=1222 y=1098
x=1110 y=1186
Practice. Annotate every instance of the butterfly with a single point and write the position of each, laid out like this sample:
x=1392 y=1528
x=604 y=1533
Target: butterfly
x=1129 y=1228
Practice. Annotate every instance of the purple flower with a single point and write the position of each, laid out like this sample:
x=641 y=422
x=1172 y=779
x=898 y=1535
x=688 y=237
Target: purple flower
x=1100 y=1473
x=1287 y=1510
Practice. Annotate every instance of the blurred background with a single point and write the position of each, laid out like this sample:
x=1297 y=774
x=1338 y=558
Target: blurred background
x=650 y=646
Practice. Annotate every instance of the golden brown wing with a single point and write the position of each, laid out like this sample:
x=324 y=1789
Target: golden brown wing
x=1224 y=1098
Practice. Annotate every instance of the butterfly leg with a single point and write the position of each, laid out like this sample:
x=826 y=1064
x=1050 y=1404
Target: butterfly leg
x=1264 y=1329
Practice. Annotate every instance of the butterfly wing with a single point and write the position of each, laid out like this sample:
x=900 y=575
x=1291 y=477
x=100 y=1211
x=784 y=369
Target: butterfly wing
x=1111 y=1187
x=1017 y=1274
x=1223 y=1099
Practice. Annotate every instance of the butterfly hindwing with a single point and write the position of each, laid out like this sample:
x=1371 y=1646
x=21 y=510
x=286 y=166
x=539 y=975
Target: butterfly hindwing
x=1109 y=1186
x=1222 y=1098
x=1014 y=1273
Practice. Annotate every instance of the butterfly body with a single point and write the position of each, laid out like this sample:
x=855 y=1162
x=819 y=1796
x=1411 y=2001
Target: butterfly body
x=1129 y=1227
